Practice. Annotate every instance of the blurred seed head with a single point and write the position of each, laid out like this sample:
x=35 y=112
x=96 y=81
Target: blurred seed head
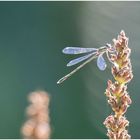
x=37 y=125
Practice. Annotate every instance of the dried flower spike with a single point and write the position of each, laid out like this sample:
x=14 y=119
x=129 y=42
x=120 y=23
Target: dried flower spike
x=116 y=93
x=37 y=126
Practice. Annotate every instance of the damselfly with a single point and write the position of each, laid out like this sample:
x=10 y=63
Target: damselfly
x=92 y=53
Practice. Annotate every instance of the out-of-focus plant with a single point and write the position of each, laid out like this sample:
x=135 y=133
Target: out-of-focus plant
x=116 y=92
x=37 y=125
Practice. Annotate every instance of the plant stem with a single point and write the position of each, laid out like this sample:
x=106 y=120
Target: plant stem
x=116 y=91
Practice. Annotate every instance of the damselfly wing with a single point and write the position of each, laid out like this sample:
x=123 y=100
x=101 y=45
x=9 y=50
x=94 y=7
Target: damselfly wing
x=77 y=50
x=101 y=62
x=80 y=59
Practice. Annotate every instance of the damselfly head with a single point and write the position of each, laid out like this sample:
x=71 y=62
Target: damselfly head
x=108 y=45
x=110 y=48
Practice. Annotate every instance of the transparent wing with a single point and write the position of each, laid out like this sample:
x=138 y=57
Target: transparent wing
x=77 y=50
x=101 y=62
x=80 y=59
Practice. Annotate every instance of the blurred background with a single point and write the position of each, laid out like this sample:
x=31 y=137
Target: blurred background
x=32 y=35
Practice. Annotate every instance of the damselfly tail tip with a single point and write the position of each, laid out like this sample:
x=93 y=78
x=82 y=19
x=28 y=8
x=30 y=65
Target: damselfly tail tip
x=61 y=80
x=58 y=82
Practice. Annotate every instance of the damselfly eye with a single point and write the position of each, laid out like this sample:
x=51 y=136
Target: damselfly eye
x=110 y=48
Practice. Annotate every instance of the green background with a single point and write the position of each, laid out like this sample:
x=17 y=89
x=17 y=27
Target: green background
x=32 y=35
